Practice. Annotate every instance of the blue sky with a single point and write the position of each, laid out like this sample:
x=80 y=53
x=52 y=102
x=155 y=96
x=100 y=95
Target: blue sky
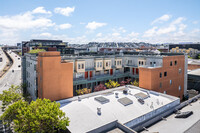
x=82 y=21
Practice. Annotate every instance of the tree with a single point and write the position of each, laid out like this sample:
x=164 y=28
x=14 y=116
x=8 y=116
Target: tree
x=135 y=83
x=10 y=96
x=112 y=84
x=39 y=116
x=36 y=51
x=99 y=88
x=198 y=56
x=83 y=91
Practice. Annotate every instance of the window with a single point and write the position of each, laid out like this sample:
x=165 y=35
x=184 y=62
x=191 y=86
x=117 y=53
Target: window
x=154 y=62
x=175 y=62
x=100 y=64
x=139 y=62
x=170 y=63
x=142 y=62
x=160 y=75
x=106 y=63
x=160 y=85
x=79 y=66
x=179 y=88
x=35 y=67
x=180 y=70
x=117 y=62
x=150 y=63
x=165 y=74
x=120 y=62
x=82 y=66
x=170 y=82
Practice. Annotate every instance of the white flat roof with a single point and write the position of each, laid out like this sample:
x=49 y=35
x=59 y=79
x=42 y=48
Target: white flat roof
x=195 y=72
x=177 y=125
x=83 y=114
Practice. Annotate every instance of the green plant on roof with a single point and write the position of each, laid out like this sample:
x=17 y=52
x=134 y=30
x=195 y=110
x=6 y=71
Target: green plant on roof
x=35 y=51
x=112 y=84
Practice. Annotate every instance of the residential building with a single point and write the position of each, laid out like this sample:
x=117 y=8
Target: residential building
x=190 y=51
x=165 y=73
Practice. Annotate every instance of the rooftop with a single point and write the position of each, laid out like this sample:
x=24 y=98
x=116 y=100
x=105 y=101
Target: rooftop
x=178 y=125
x=84 y=117
x=195 y=72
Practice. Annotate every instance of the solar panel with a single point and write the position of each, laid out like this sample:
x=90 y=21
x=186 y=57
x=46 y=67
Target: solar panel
x=102 y=100
x=125 y=101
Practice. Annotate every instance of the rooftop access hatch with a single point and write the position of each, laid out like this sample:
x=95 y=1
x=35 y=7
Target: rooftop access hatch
x=101 y=99
x=125 y=101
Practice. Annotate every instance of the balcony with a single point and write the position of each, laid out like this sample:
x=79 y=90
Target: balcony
x=102 y=77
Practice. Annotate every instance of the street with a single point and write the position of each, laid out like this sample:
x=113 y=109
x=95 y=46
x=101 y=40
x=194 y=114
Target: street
x=10 y=77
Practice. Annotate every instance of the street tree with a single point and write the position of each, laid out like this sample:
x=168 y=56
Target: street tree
x=39 y=116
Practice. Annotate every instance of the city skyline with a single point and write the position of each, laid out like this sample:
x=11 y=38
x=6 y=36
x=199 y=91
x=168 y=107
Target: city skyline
x=105 y=21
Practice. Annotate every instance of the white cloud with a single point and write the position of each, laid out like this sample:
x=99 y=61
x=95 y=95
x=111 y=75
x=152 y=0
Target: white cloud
x=178 y=20
x=166 y=30
x=195 y=22
x=150 y=32
x=115 y=34
x=133 y=34
x=64 y=26
x=122 y=29
x=165 y=17
x=24 y=21
x=99 y=35
x=94 y=25
x=40 y=10
x=46 y=34
x=64 y=11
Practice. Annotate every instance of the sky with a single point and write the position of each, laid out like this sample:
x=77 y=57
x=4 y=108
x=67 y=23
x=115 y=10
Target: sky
x=83 y=21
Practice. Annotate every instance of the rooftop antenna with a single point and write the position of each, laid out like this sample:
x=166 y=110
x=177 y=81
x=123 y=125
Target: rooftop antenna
x=151 y=105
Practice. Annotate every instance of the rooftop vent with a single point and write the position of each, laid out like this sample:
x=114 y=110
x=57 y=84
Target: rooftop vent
x=125 y=101
x=125 y=91
x=79 y=98
x=116 y=94
x=101 y=99
x=99 y=110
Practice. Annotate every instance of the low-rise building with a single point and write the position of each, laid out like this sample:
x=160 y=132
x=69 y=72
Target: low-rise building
x=165 y=73
x=128 y=108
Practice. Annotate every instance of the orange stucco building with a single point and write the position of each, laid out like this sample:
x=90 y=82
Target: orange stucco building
x=169 y=78
x=55 y=78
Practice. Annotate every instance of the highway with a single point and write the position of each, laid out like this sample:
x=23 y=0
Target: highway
x=10 y=77
x=4 y=59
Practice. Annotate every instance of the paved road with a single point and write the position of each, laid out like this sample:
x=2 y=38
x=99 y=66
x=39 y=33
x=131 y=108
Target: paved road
x=11 y=78
x=4 y=59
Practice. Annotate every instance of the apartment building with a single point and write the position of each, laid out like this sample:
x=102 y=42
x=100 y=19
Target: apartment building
x=165 y=73
x=190 y=51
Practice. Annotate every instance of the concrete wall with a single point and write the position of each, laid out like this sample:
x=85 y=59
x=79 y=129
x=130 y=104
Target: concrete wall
x=149 y=78
x=31 y=77
x=55 y=79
